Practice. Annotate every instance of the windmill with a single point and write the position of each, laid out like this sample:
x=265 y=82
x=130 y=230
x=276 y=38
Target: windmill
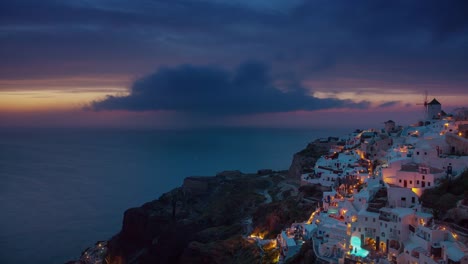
x=425 y=104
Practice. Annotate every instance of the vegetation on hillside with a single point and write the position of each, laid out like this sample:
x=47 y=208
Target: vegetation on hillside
x=445 y=196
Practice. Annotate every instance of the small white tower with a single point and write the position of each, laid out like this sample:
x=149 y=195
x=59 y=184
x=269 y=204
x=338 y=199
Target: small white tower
x=433 y=109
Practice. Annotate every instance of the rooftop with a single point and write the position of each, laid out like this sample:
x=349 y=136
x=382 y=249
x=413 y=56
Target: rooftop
x=434 y=102
x=414 y=167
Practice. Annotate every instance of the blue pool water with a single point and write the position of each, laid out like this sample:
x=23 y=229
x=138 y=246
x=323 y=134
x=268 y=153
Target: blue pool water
x=357 y=250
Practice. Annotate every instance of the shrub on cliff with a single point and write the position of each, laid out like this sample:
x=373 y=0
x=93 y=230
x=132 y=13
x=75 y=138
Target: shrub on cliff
x=445 y=196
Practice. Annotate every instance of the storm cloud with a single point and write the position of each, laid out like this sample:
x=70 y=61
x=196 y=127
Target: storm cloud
x=400 y=43
x=375 y=50
x=211 y=90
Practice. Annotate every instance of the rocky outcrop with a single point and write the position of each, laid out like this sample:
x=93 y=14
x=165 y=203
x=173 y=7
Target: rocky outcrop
x=300 y=165
x=232 y=250
x=459 y=214
x=264 y=171
x=304 y=160
x=195 y=185
x=204 y=220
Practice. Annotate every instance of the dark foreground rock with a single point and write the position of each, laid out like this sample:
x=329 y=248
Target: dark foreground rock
x=208 y=219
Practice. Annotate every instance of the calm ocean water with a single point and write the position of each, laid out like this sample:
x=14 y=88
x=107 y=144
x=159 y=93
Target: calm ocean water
x=62 y=190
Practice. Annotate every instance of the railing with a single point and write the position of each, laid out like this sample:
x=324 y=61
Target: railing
x=423 y=236
x=385 y=218
x=373 y=210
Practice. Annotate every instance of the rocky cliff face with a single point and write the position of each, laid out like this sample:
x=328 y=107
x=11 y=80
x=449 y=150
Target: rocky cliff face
x=208 y=219
x=304 y=160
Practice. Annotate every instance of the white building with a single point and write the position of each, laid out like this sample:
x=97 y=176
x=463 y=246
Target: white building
x=434 y=108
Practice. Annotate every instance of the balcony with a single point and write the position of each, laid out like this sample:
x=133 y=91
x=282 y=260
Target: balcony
x=386 y=218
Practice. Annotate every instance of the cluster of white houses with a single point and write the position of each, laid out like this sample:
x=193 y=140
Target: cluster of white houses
x=372 y=212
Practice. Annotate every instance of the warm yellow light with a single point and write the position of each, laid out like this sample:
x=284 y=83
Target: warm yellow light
x=417 y=191
x=271 y=245
x=421 y=221
x=259 y=235
x=460 y=134
x=58 y=94
x=46 y=100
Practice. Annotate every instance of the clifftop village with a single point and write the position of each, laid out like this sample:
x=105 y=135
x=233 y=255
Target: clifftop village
x=373 y=181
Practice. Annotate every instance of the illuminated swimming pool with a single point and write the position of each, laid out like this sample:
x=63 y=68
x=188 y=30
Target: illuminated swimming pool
x=357 y=250
x=332 y=211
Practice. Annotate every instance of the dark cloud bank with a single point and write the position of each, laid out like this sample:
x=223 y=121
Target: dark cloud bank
x=403 y=42
x=212 y=90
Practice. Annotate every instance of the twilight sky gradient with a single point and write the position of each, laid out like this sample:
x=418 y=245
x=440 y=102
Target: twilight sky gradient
x=186 y=63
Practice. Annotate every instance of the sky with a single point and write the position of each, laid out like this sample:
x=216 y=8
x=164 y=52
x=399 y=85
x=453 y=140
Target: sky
x=202 y=63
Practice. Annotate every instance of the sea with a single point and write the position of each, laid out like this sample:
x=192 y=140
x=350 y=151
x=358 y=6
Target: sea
x=61 y=190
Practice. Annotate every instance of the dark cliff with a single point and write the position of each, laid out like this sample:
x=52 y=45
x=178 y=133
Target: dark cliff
x=304 y=160
x=208 y=219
